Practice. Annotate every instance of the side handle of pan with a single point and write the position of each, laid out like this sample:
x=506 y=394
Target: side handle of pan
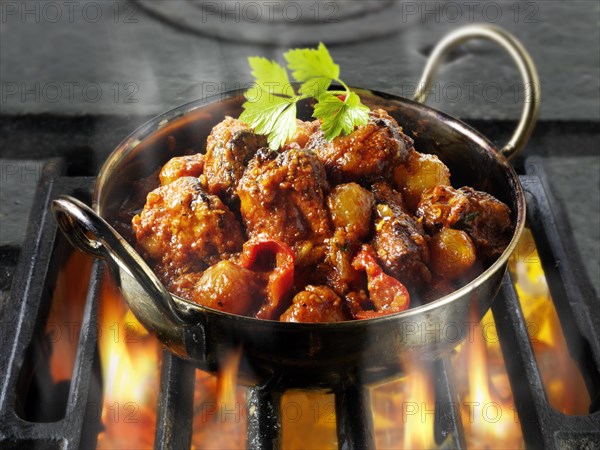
x=90 y=233
x=520 y=57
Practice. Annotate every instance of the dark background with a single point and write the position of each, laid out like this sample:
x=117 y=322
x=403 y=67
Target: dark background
x=77 y=77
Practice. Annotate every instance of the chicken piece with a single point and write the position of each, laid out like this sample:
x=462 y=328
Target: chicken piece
x=282 y=198
x=316 y=304
x=224 y=287
x=369 y=152
x=183 y=229
x=350 y=207
x=483 y=217
x=229 y=147
x=419 y=173
x=399 y=240
x=182 y=166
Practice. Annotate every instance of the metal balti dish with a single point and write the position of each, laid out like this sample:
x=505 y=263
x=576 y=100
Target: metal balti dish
x=306 y=354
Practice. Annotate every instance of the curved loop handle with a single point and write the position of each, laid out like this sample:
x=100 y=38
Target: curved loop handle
x=90 y=233
x=520 y=57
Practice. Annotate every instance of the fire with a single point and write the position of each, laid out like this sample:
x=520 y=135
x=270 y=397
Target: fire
x=66 y=310
x=227 y=380
x=487 y=406
x=219 y=405
x=308 y=420
x=418 y=409
x=403 y=410
x=130 y=360
x=565 y=387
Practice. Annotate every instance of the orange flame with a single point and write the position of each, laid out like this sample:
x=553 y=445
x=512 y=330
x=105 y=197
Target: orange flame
x=66 y=311
x=419 y=392
x=308 y=420
x=402 y=410
x=489 y=418
x=565 y=387
x=220 y=415
x=227 y=380
x=130 y=360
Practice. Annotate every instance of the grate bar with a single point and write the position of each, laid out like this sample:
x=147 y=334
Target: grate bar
x=175 y=404
x=79 y=427
x=448 y=424
x=264 y=418
x=354 y=419
x=520 y=364
x=573 y=296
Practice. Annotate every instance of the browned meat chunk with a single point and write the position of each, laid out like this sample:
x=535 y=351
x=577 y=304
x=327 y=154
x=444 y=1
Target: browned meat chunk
x=399 y=240
x=224 y=286
x=316 y=304
x=229 y=147
x=182 y=166
x=304 y=130
x=369 y=152
x=282 y=197
x=183 y=229
x=386 y=195
x=485 y=219
x=336 y=269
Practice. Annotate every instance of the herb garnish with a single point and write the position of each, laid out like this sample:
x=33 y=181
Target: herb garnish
x=271 y=103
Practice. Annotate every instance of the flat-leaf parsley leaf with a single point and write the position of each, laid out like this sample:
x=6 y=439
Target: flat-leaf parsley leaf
x=270 y=106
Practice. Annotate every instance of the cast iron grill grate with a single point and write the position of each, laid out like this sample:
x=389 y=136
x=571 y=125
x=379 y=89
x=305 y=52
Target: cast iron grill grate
x=542 y=426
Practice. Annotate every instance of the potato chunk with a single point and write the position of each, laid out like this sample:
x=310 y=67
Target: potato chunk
x=350 y=207
x=420 y=173
x=224 y=287
x=452 y=253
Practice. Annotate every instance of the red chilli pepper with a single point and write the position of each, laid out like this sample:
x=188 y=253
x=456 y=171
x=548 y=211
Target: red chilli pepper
x=281 y=278
x=387 y=294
